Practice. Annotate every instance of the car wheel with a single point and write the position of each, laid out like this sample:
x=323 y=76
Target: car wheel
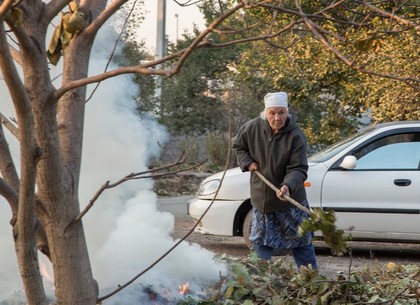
x=246 y=228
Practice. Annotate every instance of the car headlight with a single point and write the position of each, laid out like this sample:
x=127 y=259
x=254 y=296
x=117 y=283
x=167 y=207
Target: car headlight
x=208 y=188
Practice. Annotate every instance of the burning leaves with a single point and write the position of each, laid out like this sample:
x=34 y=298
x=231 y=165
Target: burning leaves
x=165 y=296
x=252 y=281
x=184 y=289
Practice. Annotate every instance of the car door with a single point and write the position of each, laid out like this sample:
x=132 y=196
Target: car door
x=380 y=197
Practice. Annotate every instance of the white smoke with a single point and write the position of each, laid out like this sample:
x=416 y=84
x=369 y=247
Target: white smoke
x=125 y=231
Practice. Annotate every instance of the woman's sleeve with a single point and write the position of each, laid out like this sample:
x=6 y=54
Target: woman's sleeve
x=240 y=148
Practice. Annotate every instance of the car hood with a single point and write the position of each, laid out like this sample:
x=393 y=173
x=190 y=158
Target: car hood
x=235 y=185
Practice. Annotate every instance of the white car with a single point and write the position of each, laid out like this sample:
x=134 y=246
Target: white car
x=371 y=180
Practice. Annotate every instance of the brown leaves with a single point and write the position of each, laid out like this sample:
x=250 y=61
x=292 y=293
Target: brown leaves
x=71 y=23
x=17 y=16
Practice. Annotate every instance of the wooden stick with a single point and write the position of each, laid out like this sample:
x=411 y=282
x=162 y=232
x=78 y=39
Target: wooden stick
x=288 y=198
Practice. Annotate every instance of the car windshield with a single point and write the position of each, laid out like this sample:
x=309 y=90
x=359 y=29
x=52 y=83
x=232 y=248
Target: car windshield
x=334 y=149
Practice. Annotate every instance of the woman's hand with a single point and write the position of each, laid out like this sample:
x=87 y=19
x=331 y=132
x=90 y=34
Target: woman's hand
x=284 y=190
x=253 y=166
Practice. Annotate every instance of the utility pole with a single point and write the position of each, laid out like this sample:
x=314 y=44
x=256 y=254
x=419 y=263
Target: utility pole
x=160 y=42
x=176 y=17
x=161 y=25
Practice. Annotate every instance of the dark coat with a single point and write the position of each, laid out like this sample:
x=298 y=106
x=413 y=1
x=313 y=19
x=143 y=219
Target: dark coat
x=281 y=157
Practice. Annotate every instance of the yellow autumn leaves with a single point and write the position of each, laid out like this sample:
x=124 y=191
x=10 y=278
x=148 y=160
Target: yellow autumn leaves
x=71 y=22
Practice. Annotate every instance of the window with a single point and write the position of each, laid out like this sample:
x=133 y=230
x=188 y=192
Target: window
x=336 y=148
x=401 y=151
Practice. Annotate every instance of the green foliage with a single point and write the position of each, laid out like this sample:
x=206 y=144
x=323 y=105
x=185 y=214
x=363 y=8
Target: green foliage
x=190 y=146
x=328 y=97
x=185 y=111
x=131 y=54
x=217 y=147
x=134 y=10
x=254 y=281
x=390 y=100
x=324 y=221
x=189 y=103
x=320 y=90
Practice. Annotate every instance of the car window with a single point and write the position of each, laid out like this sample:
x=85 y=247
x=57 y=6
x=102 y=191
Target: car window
x=334 y=149
x=401 y=151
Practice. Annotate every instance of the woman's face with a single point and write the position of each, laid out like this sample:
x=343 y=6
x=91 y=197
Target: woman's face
x=276 y=117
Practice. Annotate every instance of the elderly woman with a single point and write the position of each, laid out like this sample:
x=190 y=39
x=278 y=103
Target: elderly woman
x=273 y=144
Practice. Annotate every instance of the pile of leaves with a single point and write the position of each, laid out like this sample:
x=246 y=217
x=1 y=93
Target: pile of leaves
x=252 y=281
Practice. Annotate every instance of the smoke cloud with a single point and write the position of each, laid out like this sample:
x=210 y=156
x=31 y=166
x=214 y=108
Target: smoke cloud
x=125 y=230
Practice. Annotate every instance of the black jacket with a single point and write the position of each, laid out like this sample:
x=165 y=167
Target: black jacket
x=281 y=157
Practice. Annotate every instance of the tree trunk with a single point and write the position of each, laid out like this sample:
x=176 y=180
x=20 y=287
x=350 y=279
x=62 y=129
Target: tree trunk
x=73 y=276
x=60 y=136
x=74 y=283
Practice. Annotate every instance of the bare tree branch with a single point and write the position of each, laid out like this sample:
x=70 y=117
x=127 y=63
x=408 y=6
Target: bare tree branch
x=204 y=33
x=107 y=13
x=52 y=8
x=144 y=69
x=25 y=239
x=314 y=29
x=9 y=125
x=25 y=40
x=136 y=176
x=10 y=74
x=16 y=55
x=254 y=38
x=391 y=15
x=10 y=194
x=187 y=3
x=9 y=184
x=140 y=69
x=4 y=8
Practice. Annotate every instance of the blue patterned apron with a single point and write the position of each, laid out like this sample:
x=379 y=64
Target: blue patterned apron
x=279 y=230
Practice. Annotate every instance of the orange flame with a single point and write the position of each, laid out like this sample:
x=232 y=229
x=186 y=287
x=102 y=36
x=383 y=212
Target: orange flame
x=184 y=288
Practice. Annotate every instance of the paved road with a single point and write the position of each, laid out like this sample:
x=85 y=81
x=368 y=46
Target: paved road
x=364 y=254
x=174 y=205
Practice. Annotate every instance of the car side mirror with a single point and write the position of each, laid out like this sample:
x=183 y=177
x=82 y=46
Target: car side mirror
x=349 y=162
